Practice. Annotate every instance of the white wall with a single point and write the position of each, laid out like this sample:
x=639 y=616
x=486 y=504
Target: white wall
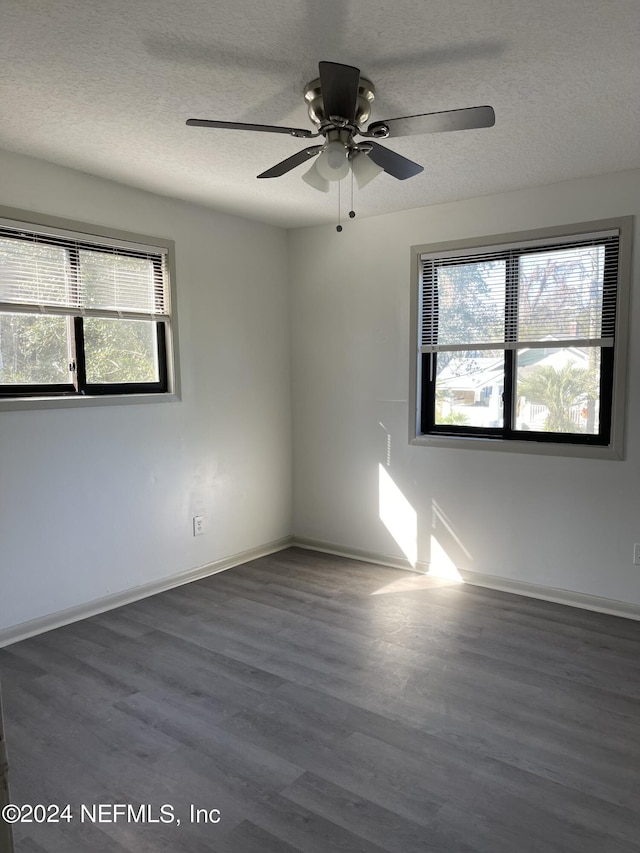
x=558 y=522
x=96 y=501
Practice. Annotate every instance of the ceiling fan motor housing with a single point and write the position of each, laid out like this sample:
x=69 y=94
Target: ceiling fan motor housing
x=315 y=103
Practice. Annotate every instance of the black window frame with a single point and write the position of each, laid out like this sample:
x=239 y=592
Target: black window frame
x=425 y=430
x=79 y=387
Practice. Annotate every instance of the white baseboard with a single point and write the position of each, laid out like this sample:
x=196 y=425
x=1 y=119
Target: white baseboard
x=546 y=593
x=24 y=630
x=626 y=609
x=357 y=554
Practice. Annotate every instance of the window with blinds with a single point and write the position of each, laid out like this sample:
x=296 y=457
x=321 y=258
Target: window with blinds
x=517 y=340
x=81 y=315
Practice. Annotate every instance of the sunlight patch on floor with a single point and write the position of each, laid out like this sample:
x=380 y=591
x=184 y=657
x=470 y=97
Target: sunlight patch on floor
x=413 y=583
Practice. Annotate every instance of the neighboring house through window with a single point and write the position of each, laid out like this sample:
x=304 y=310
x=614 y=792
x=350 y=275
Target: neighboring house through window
x=521 y=339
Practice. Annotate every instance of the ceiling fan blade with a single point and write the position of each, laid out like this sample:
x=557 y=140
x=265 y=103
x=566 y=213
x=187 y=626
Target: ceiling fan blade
x=339 y=85
x=291 y=162
x=265 y=128
x=466 y=119
x=394 y=164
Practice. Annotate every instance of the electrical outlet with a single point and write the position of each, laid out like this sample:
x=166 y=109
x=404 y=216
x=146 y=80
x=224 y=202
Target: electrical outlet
x=636 y=554
x=198 y=525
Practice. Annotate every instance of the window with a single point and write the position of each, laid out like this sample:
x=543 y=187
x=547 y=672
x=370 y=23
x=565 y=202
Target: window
x=521 y=339
x=82 y=315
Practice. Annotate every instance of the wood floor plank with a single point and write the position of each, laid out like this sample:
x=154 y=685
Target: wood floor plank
x=419 y=685
x=520 y=608
x=327 y=704
x=467 y=786
x=361 y=816
x=227 y=754
x=264 y=806
x=335 y=760
x=117 y=622
x=252 y=839
x=167 y=649
x=583 y=765
x=28 y=845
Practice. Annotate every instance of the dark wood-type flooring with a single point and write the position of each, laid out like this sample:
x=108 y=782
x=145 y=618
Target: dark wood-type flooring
x=323 y=704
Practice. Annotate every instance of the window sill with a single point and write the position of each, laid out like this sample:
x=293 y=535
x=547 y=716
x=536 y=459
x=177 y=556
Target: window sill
x=9 y=404
x=540 y=448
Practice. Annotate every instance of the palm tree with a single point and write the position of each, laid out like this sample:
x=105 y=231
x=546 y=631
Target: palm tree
x=559 y=390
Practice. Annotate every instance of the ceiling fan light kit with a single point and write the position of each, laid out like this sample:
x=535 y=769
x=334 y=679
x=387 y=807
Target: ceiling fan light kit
x=333 y=162
x=364 y=169
x=339 y=104
x=315 y=179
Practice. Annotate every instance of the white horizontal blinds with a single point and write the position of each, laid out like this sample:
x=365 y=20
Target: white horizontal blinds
x=119 y=282
x=521 y=296
x=34 y=273
x=466 y=302
x=60 y=275
x=568 y=293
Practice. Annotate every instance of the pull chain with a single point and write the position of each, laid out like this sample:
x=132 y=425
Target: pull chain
x=352 y=212
x=338 y=226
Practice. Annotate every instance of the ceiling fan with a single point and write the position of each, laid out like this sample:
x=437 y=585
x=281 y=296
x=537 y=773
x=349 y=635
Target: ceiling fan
x=339 y=103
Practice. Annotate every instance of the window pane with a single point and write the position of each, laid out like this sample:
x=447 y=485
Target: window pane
x=117 y=282
x=558 y=390
x=34 y=350
x=560 y=293
x=120 y=351
x=469 y=388
x=471 y=300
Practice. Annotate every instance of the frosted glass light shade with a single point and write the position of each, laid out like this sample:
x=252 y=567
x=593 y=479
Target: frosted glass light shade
x=364 y=169
x=332 y=163
x=315 y=179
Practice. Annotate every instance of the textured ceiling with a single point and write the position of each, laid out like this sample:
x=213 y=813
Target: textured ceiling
x=106 y=87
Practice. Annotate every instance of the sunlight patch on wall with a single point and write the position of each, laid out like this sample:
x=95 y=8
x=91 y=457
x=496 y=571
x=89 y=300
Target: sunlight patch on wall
x=387 y=442
x=447 y=551
x=398 y=516
x=441 y=564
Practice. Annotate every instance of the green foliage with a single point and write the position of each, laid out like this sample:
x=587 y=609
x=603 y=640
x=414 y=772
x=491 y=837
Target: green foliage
x=33 y=349
x=559 y=390
x=120 y=350
x=452 y=418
